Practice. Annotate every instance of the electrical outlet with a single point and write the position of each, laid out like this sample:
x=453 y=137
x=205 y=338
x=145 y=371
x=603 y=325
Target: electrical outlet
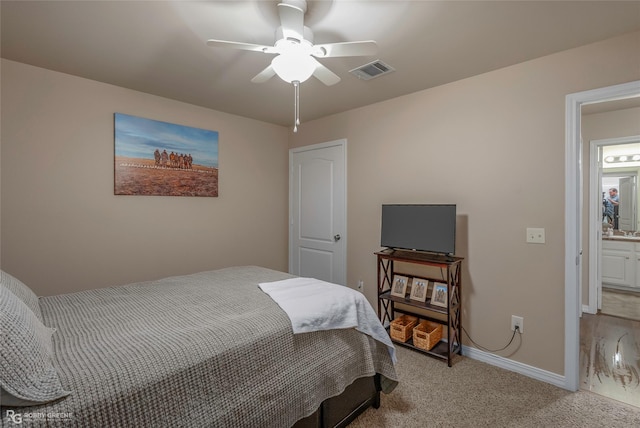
x=360 y=285
x=535 y=235
x=517 y=321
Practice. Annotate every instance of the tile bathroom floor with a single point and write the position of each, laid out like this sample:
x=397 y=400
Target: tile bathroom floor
x=610 y=357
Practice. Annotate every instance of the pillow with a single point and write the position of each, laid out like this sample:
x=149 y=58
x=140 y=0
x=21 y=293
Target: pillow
x=27 y=375
x=22 y=292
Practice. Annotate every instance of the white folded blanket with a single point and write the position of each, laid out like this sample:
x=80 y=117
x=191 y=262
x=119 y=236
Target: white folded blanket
x=314 y=305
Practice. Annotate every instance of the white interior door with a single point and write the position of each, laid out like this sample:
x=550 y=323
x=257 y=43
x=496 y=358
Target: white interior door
x=317 y=227
x=627 y=204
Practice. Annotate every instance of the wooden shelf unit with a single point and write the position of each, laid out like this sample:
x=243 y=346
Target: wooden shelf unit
x=450 y=269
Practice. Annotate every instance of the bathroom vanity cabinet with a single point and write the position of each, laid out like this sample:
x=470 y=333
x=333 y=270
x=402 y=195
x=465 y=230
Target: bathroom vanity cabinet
x=621 y=262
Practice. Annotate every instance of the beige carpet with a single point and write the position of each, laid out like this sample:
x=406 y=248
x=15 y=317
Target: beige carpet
x=475 y=394
x=621 y=304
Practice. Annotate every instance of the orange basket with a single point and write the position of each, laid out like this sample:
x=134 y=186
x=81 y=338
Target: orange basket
x=401 y=328
x=427 y=334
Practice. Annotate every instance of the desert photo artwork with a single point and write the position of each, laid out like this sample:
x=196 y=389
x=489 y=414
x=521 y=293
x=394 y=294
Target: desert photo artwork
x=156 y=158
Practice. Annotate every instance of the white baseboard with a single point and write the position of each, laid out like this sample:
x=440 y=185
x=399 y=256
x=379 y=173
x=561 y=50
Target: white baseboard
x=588 y=310
x=514 y=366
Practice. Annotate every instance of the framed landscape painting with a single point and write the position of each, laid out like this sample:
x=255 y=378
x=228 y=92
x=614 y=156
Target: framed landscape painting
x=156 y=158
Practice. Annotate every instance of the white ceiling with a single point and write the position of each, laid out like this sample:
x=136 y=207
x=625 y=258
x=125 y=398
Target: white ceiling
x=159 y=47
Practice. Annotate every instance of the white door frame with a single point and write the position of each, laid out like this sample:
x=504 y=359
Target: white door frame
x=595 y=218
x=343 y=236
x=573 y=218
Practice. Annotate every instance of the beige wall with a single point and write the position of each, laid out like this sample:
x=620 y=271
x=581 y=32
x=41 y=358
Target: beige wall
x=494 y=144
x=611 y=124
x=599 y=126
x=64 y=230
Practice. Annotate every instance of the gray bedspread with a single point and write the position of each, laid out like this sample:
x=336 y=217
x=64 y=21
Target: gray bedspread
x=203 y=350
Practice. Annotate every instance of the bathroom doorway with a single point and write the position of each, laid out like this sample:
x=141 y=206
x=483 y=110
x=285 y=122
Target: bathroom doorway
x=614 y=165
x=577 y=230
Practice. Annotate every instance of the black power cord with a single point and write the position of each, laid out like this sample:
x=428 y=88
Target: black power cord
x=516 y=330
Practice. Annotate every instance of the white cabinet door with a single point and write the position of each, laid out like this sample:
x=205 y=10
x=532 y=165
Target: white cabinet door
x=618 y=267
x=636 y=283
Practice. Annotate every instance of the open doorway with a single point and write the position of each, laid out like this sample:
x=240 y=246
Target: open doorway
x=614 y=166
x=574 y=217
x=609 y=323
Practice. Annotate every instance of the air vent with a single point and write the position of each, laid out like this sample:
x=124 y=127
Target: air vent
x=374 y=69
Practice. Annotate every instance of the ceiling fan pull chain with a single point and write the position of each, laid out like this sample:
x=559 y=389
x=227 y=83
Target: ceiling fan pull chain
x=296 y=105
x=297 y=91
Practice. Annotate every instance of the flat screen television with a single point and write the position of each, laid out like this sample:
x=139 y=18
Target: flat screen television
x=423 y=227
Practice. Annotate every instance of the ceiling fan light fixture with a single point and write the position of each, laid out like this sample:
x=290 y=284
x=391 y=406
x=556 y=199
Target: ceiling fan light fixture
x=295 y=61
x=293 y=66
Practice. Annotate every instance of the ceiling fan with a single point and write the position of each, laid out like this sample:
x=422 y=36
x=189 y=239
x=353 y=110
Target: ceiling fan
x=295 y=59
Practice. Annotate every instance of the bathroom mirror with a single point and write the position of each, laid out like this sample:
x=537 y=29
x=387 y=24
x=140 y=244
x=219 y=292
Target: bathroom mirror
x=619 y=189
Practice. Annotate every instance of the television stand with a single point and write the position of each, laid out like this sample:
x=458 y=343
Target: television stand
x=441 y=268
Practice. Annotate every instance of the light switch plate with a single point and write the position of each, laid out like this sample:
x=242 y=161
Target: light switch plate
x=535 y=235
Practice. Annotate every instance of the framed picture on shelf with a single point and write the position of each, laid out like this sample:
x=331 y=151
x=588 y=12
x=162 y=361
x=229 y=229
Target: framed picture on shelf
x=439 y=294
x=399 y=286
x=419 y=287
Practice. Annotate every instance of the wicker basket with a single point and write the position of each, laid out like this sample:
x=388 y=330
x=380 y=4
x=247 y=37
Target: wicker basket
x=401 y=328
x=427 y=334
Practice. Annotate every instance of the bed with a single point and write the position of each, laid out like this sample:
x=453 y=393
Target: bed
x=200 y=350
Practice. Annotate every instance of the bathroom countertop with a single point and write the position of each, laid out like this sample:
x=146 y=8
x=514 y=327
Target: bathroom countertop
x=621 y=238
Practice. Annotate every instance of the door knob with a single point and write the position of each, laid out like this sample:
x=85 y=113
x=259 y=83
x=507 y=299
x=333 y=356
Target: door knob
x=337 y=238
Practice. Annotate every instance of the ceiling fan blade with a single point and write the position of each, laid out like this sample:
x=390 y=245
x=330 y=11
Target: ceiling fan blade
x=329 y=50
x=292 y=19
x=239 y=45
x=325 y=75
x=264 y=75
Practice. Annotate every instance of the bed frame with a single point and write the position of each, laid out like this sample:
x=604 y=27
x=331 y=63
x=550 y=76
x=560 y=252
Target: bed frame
x=341 y=410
